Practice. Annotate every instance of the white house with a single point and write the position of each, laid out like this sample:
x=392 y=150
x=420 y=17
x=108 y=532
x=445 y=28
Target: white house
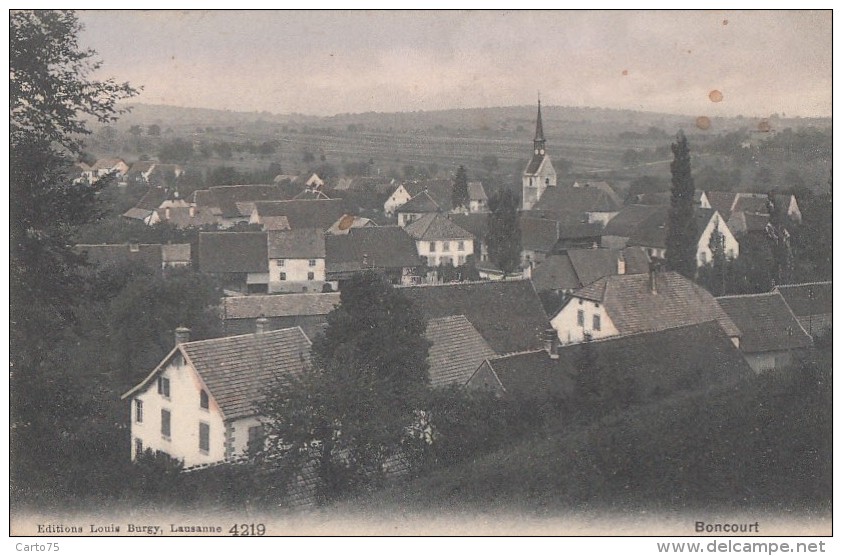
x=396 y=199
x=199 y=404
x=415 y=208
x=296 y=260
x=477 y=198
x=440 y=240
x=626 y=304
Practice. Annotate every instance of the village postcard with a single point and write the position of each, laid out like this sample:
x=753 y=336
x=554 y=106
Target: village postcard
x=475 y=273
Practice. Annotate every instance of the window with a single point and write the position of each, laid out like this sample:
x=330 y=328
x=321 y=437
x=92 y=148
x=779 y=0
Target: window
x=447 y=260
x=580 y=317
x=138 y=447
x=138 y=411
x=204 y=402
x=311 y=276
x=204 y=437
x=280 y=262
x=597 y=322
x=432 y=247
x=164 y=386
x=460 y=246
x=255 y=439
x=445 y=246
x=312 y=262
x=165 y=423
x=546 y=181
x=704 y=257
x=461 y=260
x=283 y=276
x=730 y=253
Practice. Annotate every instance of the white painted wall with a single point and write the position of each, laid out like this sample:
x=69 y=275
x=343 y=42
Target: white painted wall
x=704 y=254
x=601 y=217
x=571 y=332
x=445 y=249
x=396 y=199
x=185 y=416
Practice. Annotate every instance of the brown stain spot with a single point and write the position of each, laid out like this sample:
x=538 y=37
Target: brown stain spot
x=764 y=126
x=724 y=22
x=715 y=96
x=625 y=72
x=689 y=52
x=703 y=122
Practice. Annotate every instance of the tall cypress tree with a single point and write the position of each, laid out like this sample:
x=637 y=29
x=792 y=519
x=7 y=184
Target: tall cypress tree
x=681 y=226
x=504 y=231
x=459 y=197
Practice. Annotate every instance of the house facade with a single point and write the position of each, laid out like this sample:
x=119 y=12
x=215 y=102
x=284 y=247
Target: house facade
x=441 y=241
x=296 y=260
x=199 y=404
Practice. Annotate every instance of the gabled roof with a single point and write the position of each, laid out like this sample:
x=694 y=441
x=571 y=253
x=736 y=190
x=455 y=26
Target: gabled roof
x=578 y=267
x=180 y=217
x=507 y=313
x=535 y=164
x=722 y=202
x=441 y=190
x=581 y=230
x=752 y=203
x=766 y=322
x=475 y=223
x=626 y=222
x=233 y=252
x=534 y=377
x=175 y=253
x=103 y=255
x=152 y=199
x=571 y=204
x=538 y=234
x=304 y=213
x=348 y=221
x=238 y=369
x=436 y=226
x=141 y=167
x=456 y=350
x=301 y=243
x=382 y=247
x=422 y=202
x=652 y=232
x=664 y=198
x=476 y=192
x=226 y=197
x=284 y=305
x=106 y=163
x=815 y=298
x=633 y=307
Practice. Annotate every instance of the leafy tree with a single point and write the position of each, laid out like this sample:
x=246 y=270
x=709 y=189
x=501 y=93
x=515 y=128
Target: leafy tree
x=504 y=231
x=681 y=225
x=153 y=130
x=177 y=150
x=136 y=130
x=780 y=239
x=459 y=195
x=352 y=411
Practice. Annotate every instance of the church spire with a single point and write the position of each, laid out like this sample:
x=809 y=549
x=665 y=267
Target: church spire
x=539 y=140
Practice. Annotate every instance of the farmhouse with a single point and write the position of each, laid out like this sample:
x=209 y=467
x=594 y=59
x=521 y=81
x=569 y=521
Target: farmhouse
x=575 y=268
x=420 y=205
x=299 y=213
x=439 y=190
x=386 y=249
x=440 y=241
x=770 y=332
x=199 y=405
x=239 y=259
x=296 y=260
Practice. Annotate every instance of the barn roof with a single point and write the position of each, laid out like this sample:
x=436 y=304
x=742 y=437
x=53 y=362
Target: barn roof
x=456 y=350
x=233 y=252
x=766 y=322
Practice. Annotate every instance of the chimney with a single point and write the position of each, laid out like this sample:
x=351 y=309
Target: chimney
x=167 y=213
x=653 y=272
x=182 y=335
x=621 y=264
x=551 y=343
x=261 y=324
x=192 y=211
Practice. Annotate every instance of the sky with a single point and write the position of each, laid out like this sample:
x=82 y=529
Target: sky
x=330 y=62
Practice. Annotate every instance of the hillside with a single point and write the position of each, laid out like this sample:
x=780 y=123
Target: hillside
x=763 y=446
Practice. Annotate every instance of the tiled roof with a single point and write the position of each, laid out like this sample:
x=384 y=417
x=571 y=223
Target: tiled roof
x=456 y=350
x=348 y=221
x=722 y=201
x=440 y=190
x=507 y=313
x=238 y=369
x=476 y=192
x=422 y=202
x=533 y=377
x=106 y=163
x=571 y=231
x=304 y=213
x=571 y=204
x=226 y=197
x=283 y=305
x=633 y=307
x=233 y=252
x=538 y=234
x=137 y=214
x=626 y=222
x=176 y=253
x=102 y=255
x=475 y=223
x=152 y=199
x=301 y=243
x=766 y=322
x=814 y=298
x=652 y=232
x=578 y=267
x=663 y=198
x=753 y=203
x=436 y=226
x=535 y=164
x=383 y=247
x=140 y=167
x=180 y=217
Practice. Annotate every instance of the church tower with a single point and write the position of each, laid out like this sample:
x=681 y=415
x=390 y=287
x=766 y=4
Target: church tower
x=539 y=173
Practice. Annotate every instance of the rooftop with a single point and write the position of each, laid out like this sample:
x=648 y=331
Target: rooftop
x=435 y=226
x=283 y=305
x=301 y=243
x=233 y=252
x=766 y=321
x=814 y=298
x=456 y=350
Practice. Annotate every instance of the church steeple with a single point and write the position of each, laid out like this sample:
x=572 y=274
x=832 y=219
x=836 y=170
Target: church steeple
x=539 y=140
